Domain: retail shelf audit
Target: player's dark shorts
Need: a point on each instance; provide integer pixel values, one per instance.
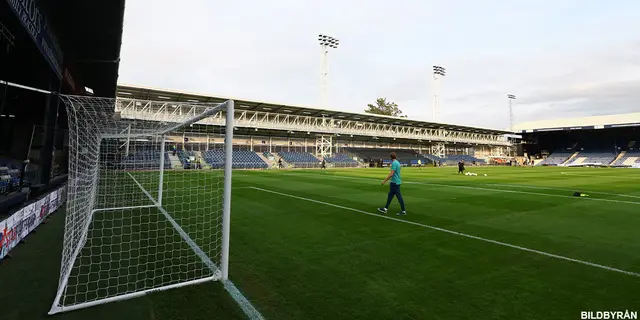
(394, 188)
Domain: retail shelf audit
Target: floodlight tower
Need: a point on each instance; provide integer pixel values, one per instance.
(511, 97)
(326, 42)
(438, 72)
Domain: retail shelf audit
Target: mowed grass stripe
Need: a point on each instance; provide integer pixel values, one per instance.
(602, 233)
(482, 187)
(319, 263)
(588, 263)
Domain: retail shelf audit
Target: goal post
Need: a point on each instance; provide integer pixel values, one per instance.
(135, 222)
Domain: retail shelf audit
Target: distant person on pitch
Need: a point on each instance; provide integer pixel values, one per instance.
(461, 166)
(394, 189)
(324, 164)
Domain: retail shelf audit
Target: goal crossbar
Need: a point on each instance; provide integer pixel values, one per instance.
(207, 113)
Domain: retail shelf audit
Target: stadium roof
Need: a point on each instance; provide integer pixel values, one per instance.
(91, 35)
(586, 123)
(148, 93)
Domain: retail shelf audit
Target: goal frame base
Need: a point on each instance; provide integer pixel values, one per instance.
(56, 308)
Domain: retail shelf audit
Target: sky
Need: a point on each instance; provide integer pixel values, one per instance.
(561, 58)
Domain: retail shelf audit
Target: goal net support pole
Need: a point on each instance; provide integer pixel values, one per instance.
(226, 204)
(161, 177)
(83, 205)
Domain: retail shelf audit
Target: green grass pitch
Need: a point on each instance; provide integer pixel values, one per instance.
(310, 245)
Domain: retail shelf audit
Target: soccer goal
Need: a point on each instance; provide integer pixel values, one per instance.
(142, 214)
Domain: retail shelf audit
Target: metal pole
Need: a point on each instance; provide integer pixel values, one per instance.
(510, 116)
(326, 42)
(511, 97)
(161, 182)
(438, 72)
(128, 140)
(33, 132)
(435, 98)
(4, 96)
(226, 205)
(324, 75)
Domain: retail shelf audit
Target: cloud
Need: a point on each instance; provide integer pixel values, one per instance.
(569, 58)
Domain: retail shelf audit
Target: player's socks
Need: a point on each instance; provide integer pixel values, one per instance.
(382, 210)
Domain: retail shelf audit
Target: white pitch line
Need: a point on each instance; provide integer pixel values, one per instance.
(561, 189)
(531, 193)
(597, 176)
(246, 306)
(244, 303)
(547, 254)
(482, 189)
(196, 249)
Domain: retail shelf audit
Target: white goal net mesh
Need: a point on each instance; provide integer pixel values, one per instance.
(143, 214)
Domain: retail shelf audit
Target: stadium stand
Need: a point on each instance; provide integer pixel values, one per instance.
(467, 158)
(9, 179)
(593, 157)
(557, 157)
(434, 159)
(342, 160)
(299, 159)
(629, 158)
(405, 156)
(240, 159)
(184, 156)
(145, 160)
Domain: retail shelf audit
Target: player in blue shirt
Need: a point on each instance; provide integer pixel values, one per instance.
(396, 181)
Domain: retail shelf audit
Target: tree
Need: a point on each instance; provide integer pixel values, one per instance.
(385, 108)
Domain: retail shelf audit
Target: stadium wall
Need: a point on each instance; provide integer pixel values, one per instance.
(19, 225)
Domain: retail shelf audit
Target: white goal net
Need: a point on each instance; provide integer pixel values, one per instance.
(142, 213)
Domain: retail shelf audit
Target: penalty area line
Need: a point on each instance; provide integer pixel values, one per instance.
(504, 244)
(250, 311)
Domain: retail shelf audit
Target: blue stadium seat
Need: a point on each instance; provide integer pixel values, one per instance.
(184, 156)
(557, 157)
(405, 156)
(628, 154)
(467, 158)
(240, 159)
(141, 159)
(433, 158)
(299, 158)
(342, 160)
(595, 156)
